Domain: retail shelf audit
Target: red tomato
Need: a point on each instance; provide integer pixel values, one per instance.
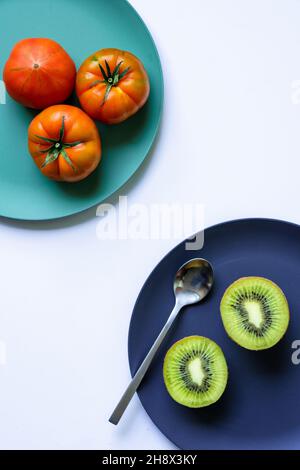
(64, 143)
(112, 85)
(39, 73)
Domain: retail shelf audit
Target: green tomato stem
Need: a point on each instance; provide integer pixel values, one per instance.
(58, 147)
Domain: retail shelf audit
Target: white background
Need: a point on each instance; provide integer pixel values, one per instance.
(229, 139)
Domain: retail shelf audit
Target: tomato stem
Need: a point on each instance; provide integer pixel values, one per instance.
(57, 147)
(111, 78)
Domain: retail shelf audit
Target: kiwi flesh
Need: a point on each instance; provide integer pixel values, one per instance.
(195, 372)
(255, 312)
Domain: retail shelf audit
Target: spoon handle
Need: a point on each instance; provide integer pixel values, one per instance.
(139, 375)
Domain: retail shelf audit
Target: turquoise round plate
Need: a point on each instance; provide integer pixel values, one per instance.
(81, 27)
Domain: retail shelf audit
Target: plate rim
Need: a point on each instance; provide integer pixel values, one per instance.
(211, 227)
(143, 160)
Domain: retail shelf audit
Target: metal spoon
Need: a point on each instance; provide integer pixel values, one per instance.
(192, 283)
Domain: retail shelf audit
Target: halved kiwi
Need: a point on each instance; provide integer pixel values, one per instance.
(195, 372)
(255, 312)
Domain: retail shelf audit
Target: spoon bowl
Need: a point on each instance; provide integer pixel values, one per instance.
(193, 281)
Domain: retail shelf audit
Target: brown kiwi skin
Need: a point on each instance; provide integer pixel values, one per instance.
(227, 369)
(274, 284)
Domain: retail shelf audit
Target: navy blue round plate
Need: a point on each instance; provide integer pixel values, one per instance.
(260, 407)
